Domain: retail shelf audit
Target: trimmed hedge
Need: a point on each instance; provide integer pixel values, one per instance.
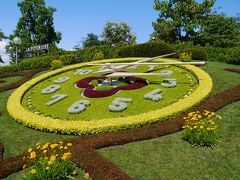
(197, 54)
(18, 112)
(150, 49)
(226, 55)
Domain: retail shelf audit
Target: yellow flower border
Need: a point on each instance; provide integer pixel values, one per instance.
(30, 119)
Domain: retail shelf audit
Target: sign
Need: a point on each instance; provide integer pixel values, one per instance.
(38, 48)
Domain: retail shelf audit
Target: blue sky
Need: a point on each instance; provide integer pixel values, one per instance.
(76, 18)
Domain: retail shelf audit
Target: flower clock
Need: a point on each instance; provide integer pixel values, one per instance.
(74, 100)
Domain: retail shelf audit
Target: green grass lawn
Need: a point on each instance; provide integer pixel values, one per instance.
(168, 157)
(10, 80)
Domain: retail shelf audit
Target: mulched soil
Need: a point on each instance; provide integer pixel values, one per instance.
(26, 76)
(84, 147)
(236, 70)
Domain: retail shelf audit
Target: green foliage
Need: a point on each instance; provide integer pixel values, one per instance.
(34, 27)
(150, 49)
(201, 128)
(179, 20)
(91, 40)
(227, 55)
(220, 31)
(118, 34)
(197, 53)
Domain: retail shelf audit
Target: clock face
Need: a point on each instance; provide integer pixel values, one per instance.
(55, 95)
(76, 95)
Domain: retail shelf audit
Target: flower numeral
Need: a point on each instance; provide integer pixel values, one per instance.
(119, 104)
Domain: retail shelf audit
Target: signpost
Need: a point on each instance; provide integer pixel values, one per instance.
(38, 48)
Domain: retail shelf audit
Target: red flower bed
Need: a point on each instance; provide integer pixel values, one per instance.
(134, 83)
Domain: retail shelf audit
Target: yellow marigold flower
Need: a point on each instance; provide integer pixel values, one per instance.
(24, 166)
(32, 155)
(190, 114)
(45, 151)
(212, 122)
(50, 162)
(201, 127)
(47, 168)
(86, 176)
(219, 117)
(199, 116)
(208, 129)
(212, 113)
(65, 147)
(60, 147)
(195, 127)
(33, 171)
(30, 150)
(69, 144)
(66, 155)
(53, 146)
(38, 147)
(52, 158)
(184, 118)
(74, 172)
(194, 118)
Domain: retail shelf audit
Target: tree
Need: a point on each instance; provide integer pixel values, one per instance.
(35, 26)
(89, 41)
(180, 20)
(220, 31)
(118, 34)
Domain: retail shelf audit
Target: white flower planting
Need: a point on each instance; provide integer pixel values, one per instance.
(169, 83)
(78, 106)
(56, 98)
(166, 73)
(83, 71)
(50, 89)
(119, 104)
(154, 95)
(151, 67)
(62, 80)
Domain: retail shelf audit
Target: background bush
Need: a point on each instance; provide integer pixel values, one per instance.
(150, 49)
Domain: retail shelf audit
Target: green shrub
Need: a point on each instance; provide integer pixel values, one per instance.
(70, 59)
(227, 55)
(201, 128)
(150, 49)
(197, 53)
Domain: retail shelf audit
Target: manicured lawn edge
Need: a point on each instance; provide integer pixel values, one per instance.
(26, 76)
(22, 115)
(91, 161)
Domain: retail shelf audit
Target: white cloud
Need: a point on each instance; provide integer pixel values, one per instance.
(3, 54)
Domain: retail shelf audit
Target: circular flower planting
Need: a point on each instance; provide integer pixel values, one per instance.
(72, 100)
